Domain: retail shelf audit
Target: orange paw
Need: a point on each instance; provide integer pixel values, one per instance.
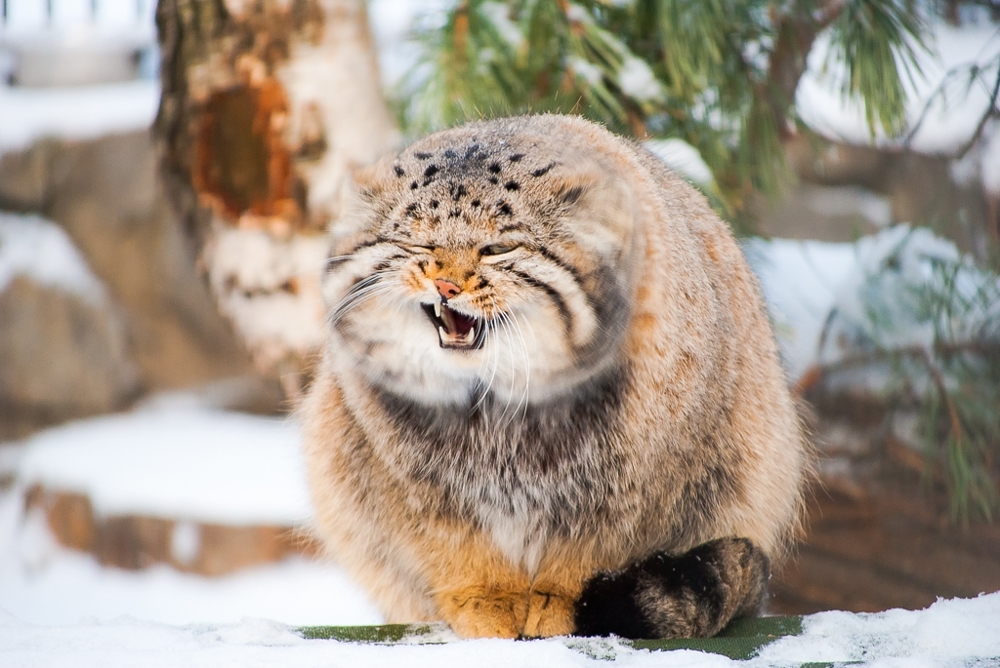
(486, 614)
(549, 614)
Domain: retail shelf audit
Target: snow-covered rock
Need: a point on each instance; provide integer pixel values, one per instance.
(65, 350)
(176, 459)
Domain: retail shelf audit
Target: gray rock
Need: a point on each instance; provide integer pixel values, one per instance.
(61, 357)
(106, 195)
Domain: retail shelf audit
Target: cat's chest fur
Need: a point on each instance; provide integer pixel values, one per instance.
(524, 472)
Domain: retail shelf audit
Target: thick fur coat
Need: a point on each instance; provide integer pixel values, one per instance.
(549, 372)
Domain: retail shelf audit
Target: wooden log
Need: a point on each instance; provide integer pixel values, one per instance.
(134, 542)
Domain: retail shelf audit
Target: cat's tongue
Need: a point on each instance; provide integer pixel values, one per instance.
(455, 323)
(455, 330)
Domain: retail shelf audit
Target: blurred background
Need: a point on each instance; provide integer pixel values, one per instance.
(166, 173)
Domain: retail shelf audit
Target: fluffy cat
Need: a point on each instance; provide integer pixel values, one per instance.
(550, 401)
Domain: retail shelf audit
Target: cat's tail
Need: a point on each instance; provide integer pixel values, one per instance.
(694, 594)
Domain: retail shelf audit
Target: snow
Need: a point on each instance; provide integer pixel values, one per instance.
(870, 287)
(951, 119)
(807, 283)
(586, 70)
(801, 281)
(577, 14)
(256, 642)
(39, 249)
(392, 23)
(35, 16)
(951, 116)
(259, 263)
(83, 112)
(947, 630)
(954, 632)
(637, 81)
(91, 111)
(72, 588)
(177, 461)
(172, 458)
(681, 157)
(499, 15)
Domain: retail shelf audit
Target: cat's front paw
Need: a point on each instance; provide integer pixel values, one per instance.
(549, 614)
(474, 613)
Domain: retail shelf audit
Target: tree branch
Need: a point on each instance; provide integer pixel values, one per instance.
(796, 34)
(953, 416)
(987, 115)
(815, 373)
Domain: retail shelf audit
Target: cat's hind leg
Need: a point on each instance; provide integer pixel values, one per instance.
(694, 594)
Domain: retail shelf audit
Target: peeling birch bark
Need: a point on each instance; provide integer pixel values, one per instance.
(267, 106)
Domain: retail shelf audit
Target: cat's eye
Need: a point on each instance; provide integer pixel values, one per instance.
(497, 249)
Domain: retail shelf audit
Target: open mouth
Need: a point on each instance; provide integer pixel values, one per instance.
(455, 330)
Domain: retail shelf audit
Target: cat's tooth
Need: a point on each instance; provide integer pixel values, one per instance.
(443, 333)
(437, 309)
(471, 336)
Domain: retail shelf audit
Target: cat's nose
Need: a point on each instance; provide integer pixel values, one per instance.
(446, 288)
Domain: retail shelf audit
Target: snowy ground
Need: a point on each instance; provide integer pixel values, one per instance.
(949, 633)
(62, 608)
(176, 460)
(77, 113)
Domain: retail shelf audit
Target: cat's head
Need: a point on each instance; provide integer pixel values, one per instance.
(489, 258)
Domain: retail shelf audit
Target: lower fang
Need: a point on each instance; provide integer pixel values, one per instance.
(443, 333)
(471, 336)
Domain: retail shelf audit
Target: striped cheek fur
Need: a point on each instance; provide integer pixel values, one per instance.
(459, 306)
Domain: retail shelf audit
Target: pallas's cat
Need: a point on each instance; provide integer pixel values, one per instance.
(550, 400)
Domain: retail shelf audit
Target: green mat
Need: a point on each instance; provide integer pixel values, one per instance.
(740, 640)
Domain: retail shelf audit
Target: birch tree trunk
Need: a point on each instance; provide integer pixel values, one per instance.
(266, 107)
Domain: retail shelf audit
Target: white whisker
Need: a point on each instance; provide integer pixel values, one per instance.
(527, 362)
(516, 324)
(508, 328)
(359, 292)
(488, 331)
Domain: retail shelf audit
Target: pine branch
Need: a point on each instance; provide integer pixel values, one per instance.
(990, 112)
(939, 92)
(876, 41)
(719, 74)
(916, 352)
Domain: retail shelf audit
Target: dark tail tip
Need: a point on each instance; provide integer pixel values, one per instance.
(608, 606)
(694, 594)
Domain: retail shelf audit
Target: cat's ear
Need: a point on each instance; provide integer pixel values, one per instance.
(363, 197)
(601, 209)
(370, 182)
(571, 186)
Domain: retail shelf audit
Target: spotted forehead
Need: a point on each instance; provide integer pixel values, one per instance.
(475, 182)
